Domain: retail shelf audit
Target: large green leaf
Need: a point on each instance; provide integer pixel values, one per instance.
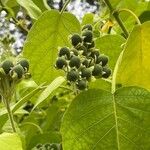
(134, 68)
(10, 141)
(98, 120)
(110, 45)
(50, 31)
(31, 8)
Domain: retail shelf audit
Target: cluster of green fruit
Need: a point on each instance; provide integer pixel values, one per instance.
(11, 73)
(48, 146)
(83, 61)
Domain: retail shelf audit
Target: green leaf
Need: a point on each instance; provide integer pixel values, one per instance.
(50, 88)
(50, 31)
(110, 45)
(98, 120)
(88, 18)
(33, 11)
(48, 137)
(40, 4)
(134, 68)
(10, 141)
(100, 84)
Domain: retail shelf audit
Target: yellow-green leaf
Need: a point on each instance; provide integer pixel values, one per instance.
(134, 67)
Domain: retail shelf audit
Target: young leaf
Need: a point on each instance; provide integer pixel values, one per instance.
(10, 141)
(33, 11)
(98, 120)
(134, 68)
(110, 45)
(41, 48)
(50, 88)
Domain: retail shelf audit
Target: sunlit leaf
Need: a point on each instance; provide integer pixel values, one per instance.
(50, 31)
(134, 68)
(98, 120)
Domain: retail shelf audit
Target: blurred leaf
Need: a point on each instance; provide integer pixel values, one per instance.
(134, 68)
(110, 45)
(50, 31)
(49, 89)
(98, 120)
(48, 137)
(33, 11)
(10, 141)
(145, 16)
(40, 4)
(100, 84)
(88, 18)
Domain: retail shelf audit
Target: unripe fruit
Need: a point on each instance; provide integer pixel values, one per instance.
(82, 84)
(64, 51)
(85, 63)
(95, 54)
(86, 73)
(107, 72)
(7, 65)
(87, 36)
(18, 69)
(75, 62)
(60, 63)
(82, 48)
(97, 71)
(91, 45)
(72, 76)
(87, 27)
(103, 59)
(25, 64)
(76, 39)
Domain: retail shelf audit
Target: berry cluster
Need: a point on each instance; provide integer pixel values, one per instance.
(83, 61)
(11, 73)
(47, 146)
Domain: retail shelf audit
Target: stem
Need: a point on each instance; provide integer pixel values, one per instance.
(132, 13)
(117, 18)
(65, 5)
(10, 115)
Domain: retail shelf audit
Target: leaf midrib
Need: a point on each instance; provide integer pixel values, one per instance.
(116, 122)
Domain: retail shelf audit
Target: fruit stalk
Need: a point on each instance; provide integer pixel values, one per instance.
(10, 115)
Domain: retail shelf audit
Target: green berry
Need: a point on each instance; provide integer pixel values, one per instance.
(86, 73)
(82, 48)
(91, 45)
(95, 54)
(87, 27)
(18, 69)
(97, 71)
(72, 76)
(7, 65)
(54, 147)
(24, 63)
(85, 63)
(76, 39)
(64, 51)
(60, 63)
(107, 72)
(103, 59)
(75, 62)
(87, 36)
(82, 84)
